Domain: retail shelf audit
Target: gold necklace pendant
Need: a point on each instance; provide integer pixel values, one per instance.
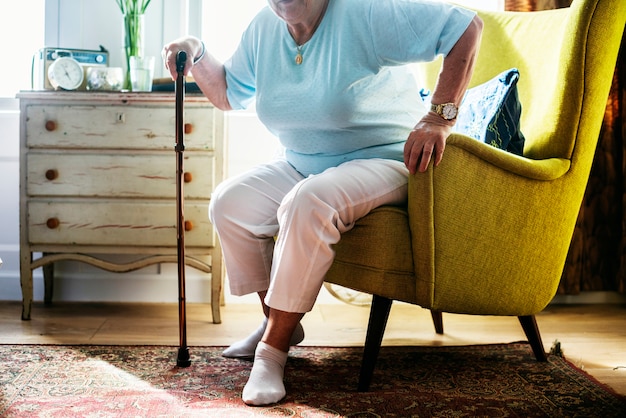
(299, 55)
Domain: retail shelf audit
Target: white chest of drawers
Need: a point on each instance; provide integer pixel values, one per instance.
(98, 177)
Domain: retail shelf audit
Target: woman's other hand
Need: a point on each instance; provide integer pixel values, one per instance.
(426, 142)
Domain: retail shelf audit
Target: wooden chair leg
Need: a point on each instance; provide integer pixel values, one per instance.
(437, 321)
(379, 313)
(529, 324)
(48, 282)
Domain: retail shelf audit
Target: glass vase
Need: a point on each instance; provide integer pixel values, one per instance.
(133, 41)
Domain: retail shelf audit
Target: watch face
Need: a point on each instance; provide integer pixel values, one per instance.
(449, 111)
(65, 73)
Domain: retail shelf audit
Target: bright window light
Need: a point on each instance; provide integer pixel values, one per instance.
(481, 4)
(223, 23)
(22, 35)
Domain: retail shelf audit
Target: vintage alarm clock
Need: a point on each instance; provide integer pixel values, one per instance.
(66, 73)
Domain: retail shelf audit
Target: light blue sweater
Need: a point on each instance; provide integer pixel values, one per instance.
(352, 97)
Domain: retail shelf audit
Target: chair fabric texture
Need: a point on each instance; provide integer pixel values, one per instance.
(487, 232)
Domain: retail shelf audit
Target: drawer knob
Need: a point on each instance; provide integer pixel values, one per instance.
(53, 223)
(188, 225)
(188, 128)
(187, 177)
(52, 174)
(51, 125)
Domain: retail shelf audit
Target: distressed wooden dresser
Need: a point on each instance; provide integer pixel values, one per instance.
(98, 177)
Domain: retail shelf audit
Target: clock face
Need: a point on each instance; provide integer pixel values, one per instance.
(65, 73)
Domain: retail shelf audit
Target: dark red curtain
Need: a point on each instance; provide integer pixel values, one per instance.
(597, 256)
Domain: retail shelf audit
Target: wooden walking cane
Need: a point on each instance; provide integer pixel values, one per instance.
(183, 351)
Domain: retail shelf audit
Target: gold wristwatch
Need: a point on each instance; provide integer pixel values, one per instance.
(448, 111)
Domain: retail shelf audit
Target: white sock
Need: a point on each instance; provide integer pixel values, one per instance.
(265, 385)
(246, 347)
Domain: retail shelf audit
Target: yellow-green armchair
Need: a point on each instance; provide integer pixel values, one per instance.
(487, 232)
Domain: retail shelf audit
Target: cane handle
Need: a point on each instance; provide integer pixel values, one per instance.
(181, 58)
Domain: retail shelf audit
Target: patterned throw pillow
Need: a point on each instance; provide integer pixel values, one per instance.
(491, 113)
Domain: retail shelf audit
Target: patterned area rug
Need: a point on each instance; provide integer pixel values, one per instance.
(470, 381)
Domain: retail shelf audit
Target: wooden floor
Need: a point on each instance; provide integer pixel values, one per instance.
(592, 336)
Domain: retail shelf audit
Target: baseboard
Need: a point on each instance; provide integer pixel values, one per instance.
(77, 282)
(589, 298)
(157, 284)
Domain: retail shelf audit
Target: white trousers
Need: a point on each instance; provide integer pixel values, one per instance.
(307, 215)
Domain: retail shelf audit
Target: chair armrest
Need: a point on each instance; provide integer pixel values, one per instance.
(547, 169)
(487, 219)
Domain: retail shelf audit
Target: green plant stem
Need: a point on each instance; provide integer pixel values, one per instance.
(133, 42)
(132, 11)
(132, 6)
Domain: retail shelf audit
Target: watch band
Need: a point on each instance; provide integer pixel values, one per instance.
(447, 111)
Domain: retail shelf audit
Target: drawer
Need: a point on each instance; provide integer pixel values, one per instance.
(117, 126)
(144, 224)
(139, 175)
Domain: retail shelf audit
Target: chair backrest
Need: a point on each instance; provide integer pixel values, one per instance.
(566, 58)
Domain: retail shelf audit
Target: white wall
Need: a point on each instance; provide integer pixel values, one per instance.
(9, 201)
(89, 24)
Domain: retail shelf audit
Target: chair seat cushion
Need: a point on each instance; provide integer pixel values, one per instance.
(382, 266)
